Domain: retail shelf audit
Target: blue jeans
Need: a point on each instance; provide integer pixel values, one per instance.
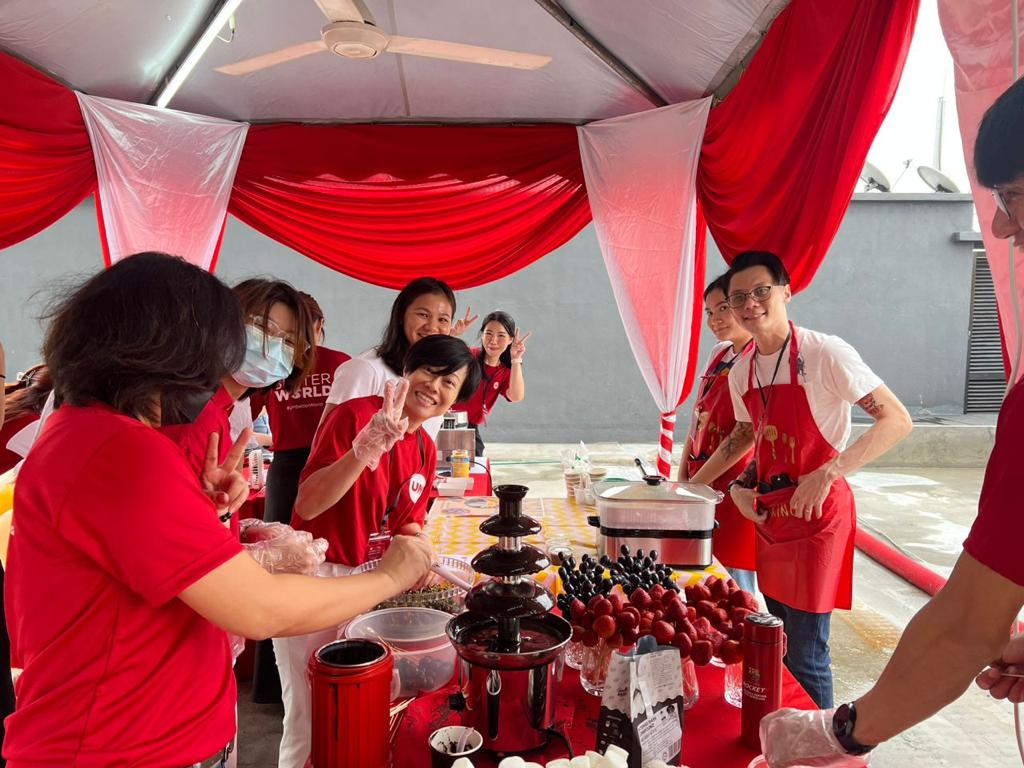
(807, 657)
(746, 580)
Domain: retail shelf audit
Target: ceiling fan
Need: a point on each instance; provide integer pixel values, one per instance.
(353, 34)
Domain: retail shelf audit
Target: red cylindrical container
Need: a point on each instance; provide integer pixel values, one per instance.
(351, 682)
(763, 649)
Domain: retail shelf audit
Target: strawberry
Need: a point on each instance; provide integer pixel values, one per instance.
(706, 608)
(726, 628)
(675, 612)
(737, 631)
(576, 608)
(751, 603)
(731, 652)
(702, 592)
(577, 633)
(645, 627)
(603, 607)
(739, 614)
(718, 616)
(587, 620)
(629, 636)
(658, 616)
(711, 580)
(691, 613)
(702, 652)
(604, 626)
(732, 585)
(719, 591)
(702, 625)
(626, 620)
(663, 632)
(690, 593)
(688, 629)
(615, 641)
(683, 642)
(589, 638)
(640, 598)
(617, 600)
(738, 598)
(657, 592)
(716, 638)
(592, 603)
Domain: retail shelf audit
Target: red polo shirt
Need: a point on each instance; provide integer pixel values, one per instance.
(997, 536)
(401, 478)
(112, 526)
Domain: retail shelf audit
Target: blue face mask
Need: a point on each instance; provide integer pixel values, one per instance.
(263, 369)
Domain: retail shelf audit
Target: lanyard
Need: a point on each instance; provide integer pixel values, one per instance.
(423, 462)
(760, 389)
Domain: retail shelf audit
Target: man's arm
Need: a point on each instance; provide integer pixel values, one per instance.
(892, 424)
(956, 634)
(732, 449)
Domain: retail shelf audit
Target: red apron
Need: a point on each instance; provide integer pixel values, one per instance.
(713, 420)
(806, 565)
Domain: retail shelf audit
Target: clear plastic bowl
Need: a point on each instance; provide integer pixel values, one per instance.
(424, 656)
(452, 600)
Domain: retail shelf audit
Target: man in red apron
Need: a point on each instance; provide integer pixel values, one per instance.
(794, 394)
(965, 627)
(713, 422)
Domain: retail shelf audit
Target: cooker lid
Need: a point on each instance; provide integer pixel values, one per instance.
(663, 492)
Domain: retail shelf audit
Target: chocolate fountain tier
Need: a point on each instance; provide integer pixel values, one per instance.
(508, 527)
(509, 599)
(498, 561)
(475, 637)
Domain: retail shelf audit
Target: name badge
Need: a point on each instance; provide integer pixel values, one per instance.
(377, 545)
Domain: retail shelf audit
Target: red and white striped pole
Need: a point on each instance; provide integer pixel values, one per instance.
(668, 426)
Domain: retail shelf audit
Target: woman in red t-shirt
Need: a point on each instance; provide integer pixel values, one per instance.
(24, 401)
(500, 359)
(353, 501)
(122, 581)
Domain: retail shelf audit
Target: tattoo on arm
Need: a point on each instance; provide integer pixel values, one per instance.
(741, 433)
(872, 407)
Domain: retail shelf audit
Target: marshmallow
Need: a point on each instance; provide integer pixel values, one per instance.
(616, 757)
(562, 762)
(463, 762)
(596, 759)
(513, 761)
(533, 765)
(581, 761)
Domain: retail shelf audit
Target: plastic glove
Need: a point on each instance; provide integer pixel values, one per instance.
(252, 530)
(797, 737)
(387, 426)
(291, 552)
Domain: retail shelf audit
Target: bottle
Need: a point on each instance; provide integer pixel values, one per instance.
(764, 645)
(256, 481)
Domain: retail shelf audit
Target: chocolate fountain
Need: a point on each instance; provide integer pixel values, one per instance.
(509, 644)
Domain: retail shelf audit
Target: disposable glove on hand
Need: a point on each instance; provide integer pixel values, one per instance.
(796, 737)
(387, 426)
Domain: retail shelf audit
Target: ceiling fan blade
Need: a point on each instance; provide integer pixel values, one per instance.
(345, 10)
(473, 54)
(272, 59)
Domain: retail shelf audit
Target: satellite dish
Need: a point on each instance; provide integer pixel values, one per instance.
(873, 178)
(937, 180)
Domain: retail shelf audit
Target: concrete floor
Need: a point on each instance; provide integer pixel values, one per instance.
(926, 512)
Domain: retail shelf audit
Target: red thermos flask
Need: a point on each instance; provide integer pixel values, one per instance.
(351, 682)
(764, 645)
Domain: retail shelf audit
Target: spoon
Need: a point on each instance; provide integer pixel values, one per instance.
(446, 573)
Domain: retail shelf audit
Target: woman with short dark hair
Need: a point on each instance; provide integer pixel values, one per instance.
(122, 581)
(368, 477)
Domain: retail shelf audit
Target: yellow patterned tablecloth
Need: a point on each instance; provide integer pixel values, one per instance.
(454, 528)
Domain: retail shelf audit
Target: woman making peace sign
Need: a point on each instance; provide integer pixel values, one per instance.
(500, 359)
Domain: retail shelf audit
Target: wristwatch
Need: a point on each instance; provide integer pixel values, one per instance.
(843, 722)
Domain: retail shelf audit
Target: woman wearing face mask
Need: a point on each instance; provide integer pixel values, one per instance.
(424, 307)
(368, 476)
(711, 423)
(500, 357)
(279, 336)
(293, 415)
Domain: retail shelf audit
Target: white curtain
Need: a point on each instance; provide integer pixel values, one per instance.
(641, 173)
(164, 177)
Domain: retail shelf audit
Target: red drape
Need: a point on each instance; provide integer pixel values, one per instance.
(46, 163)
(783, 152)
(385, 204)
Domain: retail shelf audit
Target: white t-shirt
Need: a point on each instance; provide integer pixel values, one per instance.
(241, 418)
(831, 373)
(364, 376)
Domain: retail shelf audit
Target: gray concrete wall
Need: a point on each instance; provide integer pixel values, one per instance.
(894, 285)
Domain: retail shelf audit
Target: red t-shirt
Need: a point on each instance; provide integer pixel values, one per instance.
(493, 382)
(402, 478)
(112, 526)
(194, 438)
(294, 418)
(997, 536)
(10, 428)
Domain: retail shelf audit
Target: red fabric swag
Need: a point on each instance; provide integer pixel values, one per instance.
(388, 203)
(46, 163)
(783, 152)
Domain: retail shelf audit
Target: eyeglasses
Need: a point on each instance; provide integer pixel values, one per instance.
(1000, 202)
(274, 331)
(759, 294)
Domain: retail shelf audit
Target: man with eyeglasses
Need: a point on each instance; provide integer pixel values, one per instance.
(792, 399)
(964, 628)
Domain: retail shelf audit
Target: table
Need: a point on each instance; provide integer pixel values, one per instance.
(479, 473)
(712, 727)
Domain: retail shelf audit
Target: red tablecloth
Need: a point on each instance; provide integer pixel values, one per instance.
(480, 474)
(711, 728)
